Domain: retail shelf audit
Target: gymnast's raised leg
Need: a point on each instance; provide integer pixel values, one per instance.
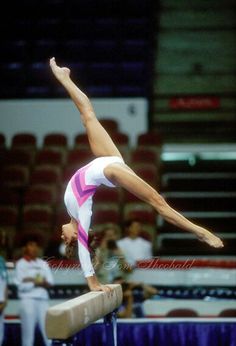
(100, 142)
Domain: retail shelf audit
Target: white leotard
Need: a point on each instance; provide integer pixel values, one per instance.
(78, 201)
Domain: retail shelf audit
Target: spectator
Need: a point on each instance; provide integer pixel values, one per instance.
(3, 296)
(134, 247)
(33, 278)
(109, 259)
(134, 294)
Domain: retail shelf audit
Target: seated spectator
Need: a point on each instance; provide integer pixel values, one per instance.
(134, 247)
(134, 294)
(109, 259)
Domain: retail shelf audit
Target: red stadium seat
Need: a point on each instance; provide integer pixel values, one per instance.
(107, 195)
(182, 313)
(49, 157)
(110, 125)
(8, 197)
(141, 155)
(45, 176)
(35, 216)
(39, 196)
(18, 157)
(106, 216)
(149, 139)
(227, 313)
(56, 141)
(15, 176)
(24, 140)
(79, 157)
(81, 141)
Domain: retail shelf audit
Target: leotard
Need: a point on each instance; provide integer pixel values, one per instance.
(78, 199)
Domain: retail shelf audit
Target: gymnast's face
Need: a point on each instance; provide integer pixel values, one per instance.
(69, 232)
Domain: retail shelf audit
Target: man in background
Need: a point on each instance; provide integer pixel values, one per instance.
(33, 278)
(133, 246)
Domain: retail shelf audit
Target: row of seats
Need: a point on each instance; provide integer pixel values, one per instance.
(34, 180)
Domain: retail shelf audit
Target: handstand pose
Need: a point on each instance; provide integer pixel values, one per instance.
(109, 169)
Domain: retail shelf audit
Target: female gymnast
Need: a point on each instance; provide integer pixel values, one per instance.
(109, 169)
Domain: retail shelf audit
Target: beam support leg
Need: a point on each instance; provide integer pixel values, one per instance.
(111, 328)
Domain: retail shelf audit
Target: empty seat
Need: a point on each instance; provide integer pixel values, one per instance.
(110, 125)
(39, 196)
(149, 139)
(45, 176)
(15, 176)
(57, 142)
(81, 140)
(24, 141)
(37, 216)
(105, 216)
(148, 174)
(18, 157)
(107, 196)
(140, 213)
(140, 155)
(227, 313)
(78, 157)
(49, 157)
(182, 313)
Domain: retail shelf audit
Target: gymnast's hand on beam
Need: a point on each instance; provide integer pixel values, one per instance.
(95, 285)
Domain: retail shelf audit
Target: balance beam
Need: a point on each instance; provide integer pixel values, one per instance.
(64, 320)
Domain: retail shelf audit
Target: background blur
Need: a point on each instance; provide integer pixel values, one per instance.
(162, 78)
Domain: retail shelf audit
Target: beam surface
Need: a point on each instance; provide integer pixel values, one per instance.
(68, 318)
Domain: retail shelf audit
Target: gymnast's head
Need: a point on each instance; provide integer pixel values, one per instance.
(69, 236)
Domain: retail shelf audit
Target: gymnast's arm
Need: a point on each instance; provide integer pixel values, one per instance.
(81, 101)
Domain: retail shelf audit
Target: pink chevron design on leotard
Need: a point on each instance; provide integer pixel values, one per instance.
(82, 191)
(83, 237)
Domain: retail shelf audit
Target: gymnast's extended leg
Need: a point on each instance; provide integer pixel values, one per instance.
(125, 177)
(100, 142)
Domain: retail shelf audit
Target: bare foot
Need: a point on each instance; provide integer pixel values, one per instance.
(209, 238)
(61, 73)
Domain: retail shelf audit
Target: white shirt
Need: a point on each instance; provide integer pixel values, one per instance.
(135, 249)
(30, 269)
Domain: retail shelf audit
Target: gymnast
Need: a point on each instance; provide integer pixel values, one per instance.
(108, 168)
